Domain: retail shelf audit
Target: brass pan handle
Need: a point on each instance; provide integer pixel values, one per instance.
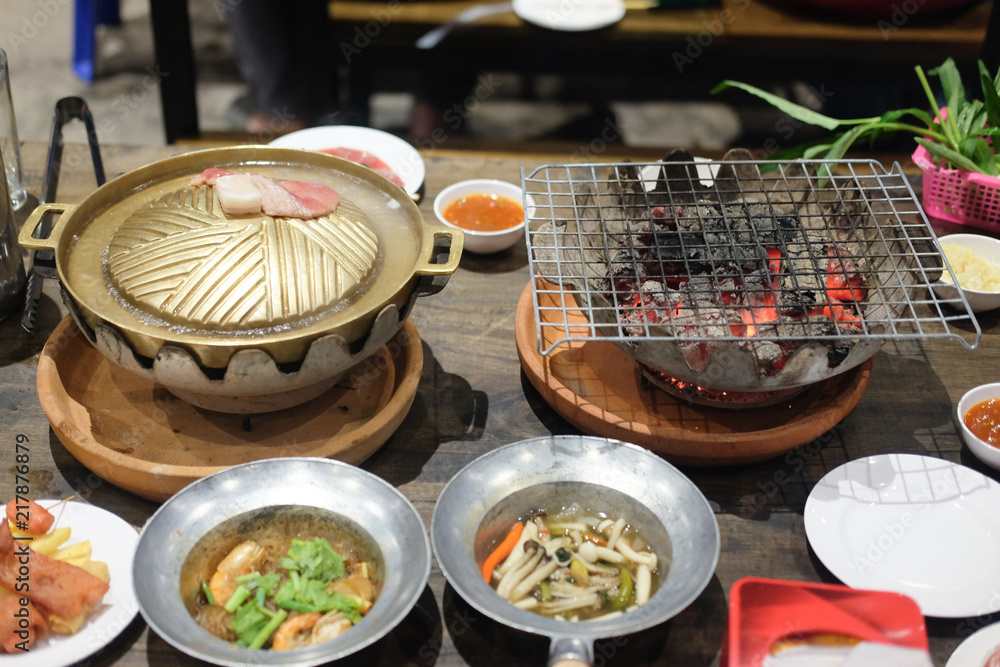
(436, 243)
(26, 237)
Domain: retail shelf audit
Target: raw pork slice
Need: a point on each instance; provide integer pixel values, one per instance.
(315, 195)
(238, 194)
(246, 194)
(210, 176)
(373, 162)
(280, 203)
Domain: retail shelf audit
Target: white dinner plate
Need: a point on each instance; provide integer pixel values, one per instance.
(401, 157)
(911, 524)
(976, 648)
(112, 541)
(570, 15)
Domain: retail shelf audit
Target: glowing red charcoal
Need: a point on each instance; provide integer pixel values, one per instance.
(843, 280)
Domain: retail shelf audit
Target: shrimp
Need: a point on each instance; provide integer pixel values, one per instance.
(295, 632)
(333, 624)
(241, 560)
(355, 586)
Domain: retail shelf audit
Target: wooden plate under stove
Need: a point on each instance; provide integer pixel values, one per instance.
(595, 386)
(140, 437)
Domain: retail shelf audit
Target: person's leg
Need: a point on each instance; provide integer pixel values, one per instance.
(283, 51)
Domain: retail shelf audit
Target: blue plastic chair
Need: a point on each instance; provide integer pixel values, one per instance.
(90, 14)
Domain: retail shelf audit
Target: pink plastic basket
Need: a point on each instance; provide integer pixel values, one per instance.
(962, 197)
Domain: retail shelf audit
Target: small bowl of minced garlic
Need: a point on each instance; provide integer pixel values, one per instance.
(975, 260)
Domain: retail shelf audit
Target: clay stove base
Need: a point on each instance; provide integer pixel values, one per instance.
(138, 436)
(596, 387)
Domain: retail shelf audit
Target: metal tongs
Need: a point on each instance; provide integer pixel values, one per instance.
(43, 262)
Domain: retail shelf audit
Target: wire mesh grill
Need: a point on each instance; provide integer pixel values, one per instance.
(764, 249)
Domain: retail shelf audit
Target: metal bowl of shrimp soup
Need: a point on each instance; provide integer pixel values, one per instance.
(371, 510)
(478, 506)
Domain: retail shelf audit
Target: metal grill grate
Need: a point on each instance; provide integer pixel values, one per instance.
(590, 224)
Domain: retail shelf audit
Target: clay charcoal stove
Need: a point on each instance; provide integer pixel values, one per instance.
(743, 280)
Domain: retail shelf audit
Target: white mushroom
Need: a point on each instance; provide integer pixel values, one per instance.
(533, 553)
(643, 584)
(546, 567)
(616, 532)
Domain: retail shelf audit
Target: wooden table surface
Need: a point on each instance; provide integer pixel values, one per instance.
(473, 398)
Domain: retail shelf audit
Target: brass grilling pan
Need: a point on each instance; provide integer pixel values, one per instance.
(150, 264)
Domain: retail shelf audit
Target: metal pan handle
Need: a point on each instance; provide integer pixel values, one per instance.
(27, 238)
(571, 652)
(434, 273)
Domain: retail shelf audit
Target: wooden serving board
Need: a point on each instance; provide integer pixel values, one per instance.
(140, 437)
(596, 386)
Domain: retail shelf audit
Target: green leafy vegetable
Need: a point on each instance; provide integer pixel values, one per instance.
(311, 566)
(957, 135)
(315, 559)
(248, 621)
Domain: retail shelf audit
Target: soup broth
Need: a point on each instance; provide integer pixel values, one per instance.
(269, 558)
(573, 563)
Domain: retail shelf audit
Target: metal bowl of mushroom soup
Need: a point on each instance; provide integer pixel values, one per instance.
(540, 482)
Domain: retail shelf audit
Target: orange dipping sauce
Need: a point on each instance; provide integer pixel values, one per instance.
(484, 213)
(983, 419)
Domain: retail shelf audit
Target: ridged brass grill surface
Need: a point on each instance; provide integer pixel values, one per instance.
(183, 260)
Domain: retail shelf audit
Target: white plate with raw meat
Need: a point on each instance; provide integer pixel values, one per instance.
(113, 541)
(383, 152)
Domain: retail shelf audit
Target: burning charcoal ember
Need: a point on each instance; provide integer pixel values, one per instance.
(702, 293)
(700, 340)
(800, 293)
(653, 305)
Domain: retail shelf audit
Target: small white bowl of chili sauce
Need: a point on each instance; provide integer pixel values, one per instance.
(490, 212)
(979, 415)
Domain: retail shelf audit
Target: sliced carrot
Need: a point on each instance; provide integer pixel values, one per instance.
(502, 551)
(599, 541)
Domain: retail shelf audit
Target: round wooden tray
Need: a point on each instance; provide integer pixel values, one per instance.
(140, 437)
(596, 387)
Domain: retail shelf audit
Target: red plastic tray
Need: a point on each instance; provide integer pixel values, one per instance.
(762, 611)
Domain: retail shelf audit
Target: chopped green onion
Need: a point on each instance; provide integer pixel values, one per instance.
(625, 590)
(208, 592)
(295, 605)
(268, 630)
(237, 598)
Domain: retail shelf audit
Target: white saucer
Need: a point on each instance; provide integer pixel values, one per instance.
(976, 648)
(916, 525)
(570, 15)
(113, 541)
